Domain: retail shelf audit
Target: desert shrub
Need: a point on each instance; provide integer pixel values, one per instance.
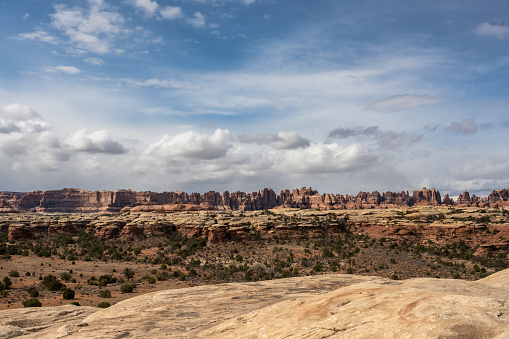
(52, 283)
(6, 284)
(93, 281)
(127, 288)
(32, 302)
(151, 280)
(68, 294)
(105, 294)
(33, 292)
(128, 273)
(75, 303)
(104, 304)
(65, 276)
(107, 279)
(14, 274)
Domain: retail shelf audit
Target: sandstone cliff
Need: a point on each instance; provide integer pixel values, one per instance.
(71, 200)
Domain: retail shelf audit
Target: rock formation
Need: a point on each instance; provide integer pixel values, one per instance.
(322, 306)
(71, 200)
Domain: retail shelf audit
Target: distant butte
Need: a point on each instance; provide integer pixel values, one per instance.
(71, 200)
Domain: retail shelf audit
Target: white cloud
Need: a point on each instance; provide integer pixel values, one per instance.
(247, 2)
(40, 36)
(198, 20)
(495, 30)
(18, 112)
(171, 83)
(92, 30)
(171, 12)
(94, 61)
(387, 140)
(148, 6)
(465, 126)
(191, 145)
(95, 142)
(326, 158)
(405, 101)
(481, 167)
(282, 140)
(65, 69)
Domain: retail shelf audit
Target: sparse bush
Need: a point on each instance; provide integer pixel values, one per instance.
(104, 304)
(105, 294)
(68, 294)
(14, 274)
(52, 283)
(33, 292)
(128, 273)
(127, 288)
(32, 302)
(65, 276)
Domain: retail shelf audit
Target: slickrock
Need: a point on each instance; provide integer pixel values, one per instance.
(325, 306)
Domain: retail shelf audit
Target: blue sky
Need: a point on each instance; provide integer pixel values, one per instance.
(199, 95)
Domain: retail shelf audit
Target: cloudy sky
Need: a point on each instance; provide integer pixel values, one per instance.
(199, 95)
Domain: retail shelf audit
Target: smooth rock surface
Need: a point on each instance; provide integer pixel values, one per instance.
(325, 306)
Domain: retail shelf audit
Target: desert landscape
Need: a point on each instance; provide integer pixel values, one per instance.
(89, 257)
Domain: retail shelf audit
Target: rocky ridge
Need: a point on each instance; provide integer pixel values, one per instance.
(486, 227)
(331, 306)
(71, 200)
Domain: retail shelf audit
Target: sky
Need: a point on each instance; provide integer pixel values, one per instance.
(198, 95)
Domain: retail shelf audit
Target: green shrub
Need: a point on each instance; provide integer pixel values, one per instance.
(75, 303)
(14, 274)
(6, 284)
(105, 294)
(32, 302)
(104, 304)
(128, 273)
(52, 283)
(68, 294)
(33, 292)
(127, 288)
(65, 276)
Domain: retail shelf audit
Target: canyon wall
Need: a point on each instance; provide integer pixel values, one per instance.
(71, 200)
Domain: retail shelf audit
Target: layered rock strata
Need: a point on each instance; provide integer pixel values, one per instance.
(72, 200)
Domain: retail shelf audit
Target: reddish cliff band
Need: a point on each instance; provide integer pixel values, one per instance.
(71, 200)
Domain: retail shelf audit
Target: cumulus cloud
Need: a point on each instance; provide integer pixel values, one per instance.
(494, 29)
(148, 6)
(171, 12)
(65, 69)
(18, 112)
(25, 135)
(465, 126)
(404, 101)
(326, 158)
(92, 30)
(192, 145)
(95, 142)
(198, 20)
(387, 140)
(281, 140)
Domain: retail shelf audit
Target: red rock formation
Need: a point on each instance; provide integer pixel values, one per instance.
(75, 200)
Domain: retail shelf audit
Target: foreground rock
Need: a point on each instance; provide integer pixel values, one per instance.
(328, 306)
